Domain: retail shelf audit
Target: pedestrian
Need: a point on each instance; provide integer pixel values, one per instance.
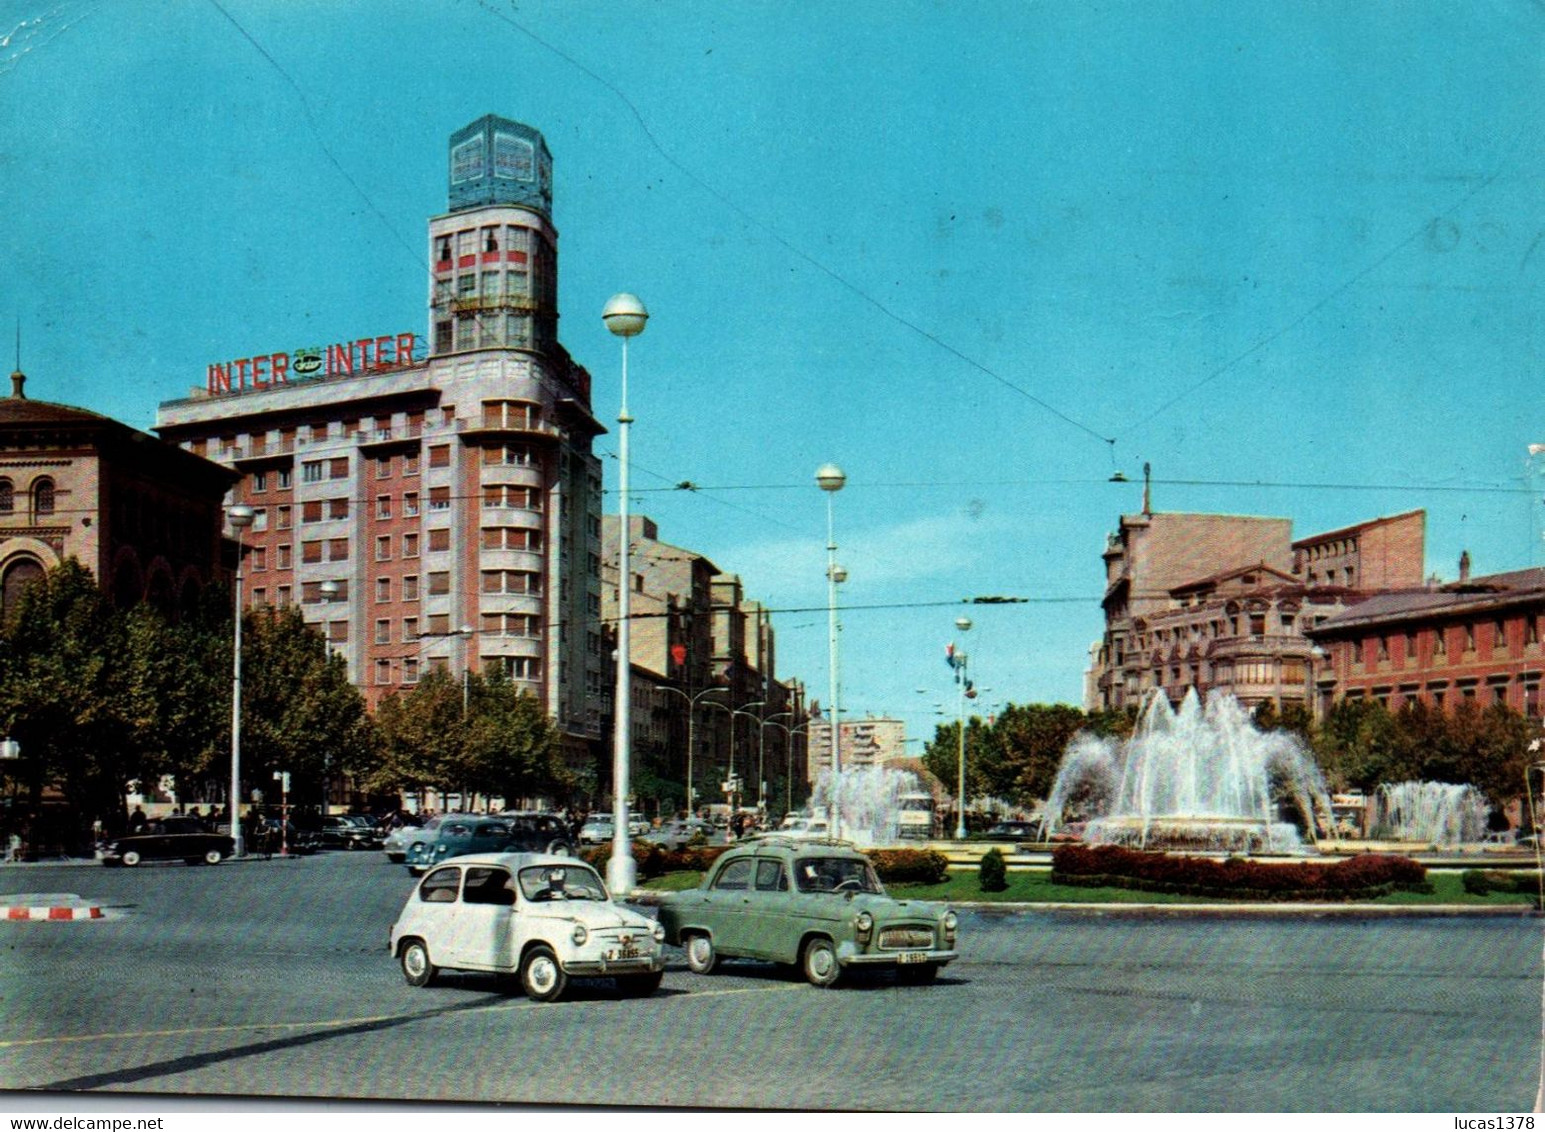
(137, 820)
(13, 847)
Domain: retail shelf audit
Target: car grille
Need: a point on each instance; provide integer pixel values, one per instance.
(904, 939)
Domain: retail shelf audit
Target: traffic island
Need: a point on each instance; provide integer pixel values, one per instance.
(48, 906)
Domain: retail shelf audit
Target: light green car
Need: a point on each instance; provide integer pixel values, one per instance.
(814, 904)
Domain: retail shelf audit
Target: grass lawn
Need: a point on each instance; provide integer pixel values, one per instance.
(1034, 886)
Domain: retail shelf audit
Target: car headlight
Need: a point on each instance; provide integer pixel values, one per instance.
(579, 935)
(950, 921)
(863, 924)
(658, 931)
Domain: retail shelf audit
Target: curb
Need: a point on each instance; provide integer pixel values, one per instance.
(48, 906)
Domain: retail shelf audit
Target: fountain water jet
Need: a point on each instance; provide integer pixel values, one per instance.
(1192, 778)
(1438, 813)
(868, 801)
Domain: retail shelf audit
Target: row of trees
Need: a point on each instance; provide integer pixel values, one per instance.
(99, 698)
(1360, 744)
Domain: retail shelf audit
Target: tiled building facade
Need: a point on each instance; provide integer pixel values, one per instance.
(440, 506)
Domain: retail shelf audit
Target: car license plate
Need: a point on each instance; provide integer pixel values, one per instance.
(623, 953)
(912, 957)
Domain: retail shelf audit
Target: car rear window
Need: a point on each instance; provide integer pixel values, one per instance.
(440, 886)
(488, 885)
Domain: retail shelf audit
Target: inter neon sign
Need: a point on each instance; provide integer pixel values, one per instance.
(341, 359)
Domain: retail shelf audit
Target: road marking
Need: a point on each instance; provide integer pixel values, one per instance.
(335, 1023)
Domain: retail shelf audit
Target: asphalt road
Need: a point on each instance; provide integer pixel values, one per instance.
(272, 979)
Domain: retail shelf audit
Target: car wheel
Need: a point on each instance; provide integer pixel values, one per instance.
(916, 974)
(131, 858)
(416, 966)
(701, 956)
(540, 976)
(639, 986)
(213, 857)
(819, 963)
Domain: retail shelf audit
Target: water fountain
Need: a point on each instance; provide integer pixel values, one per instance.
(1193, 778)
(1436, 813)
(868, 801)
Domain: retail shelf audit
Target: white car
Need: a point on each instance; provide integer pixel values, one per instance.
(546, 919)
(397, 842)
(596, 830)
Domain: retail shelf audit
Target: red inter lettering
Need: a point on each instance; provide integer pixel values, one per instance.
(280, 364)
(241, 365)
(260, 372)
(218, 379)
(404, 349)
(381, 344)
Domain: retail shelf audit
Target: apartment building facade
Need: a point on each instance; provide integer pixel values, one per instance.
(434, 503)
(1221, 603)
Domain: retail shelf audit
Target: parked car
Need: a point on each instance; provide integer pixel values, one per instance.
(272, 835)
(678, 834)
(817, 904)
(597, 830)
(1016, 829)
(167, 839)
(542, 918)
(455, 836)
(349, 831)
(398, 840)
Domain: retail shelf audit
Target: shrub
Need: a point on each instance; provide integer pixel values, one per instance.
(910, 866)
(1358, 878)
(655, 860)
(992, 874)
(1475, 882)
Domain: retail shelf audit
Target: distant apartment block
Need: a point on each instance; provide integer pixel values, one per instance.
(867, 742)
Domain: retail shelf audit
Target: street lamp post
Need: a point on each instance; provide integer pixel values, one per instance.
(625, 317)
(691, 729)
(239, 517)
(831, 479)
(744, 710)
(964, 625)
(788, 757)
(761, 760)
(465, 633)
(330, 591)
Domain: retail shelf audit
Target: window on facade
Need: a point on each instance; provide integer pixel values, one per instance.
(466, 332)
(410, 464)
(310, 593)
(410, 670)
(439, 582)
(383, 631)
(440, 626)
(1531, 630)
(259, 482)
(383, 507)
(383, 467)
(1440, 642)
(439, 499)
(43, 497)
(383, 671)
(311, 471)
(513, 455)
(1470, 639)
(410, 587)
(337, 550)
(311, 511)
(337, 508)
(439, 455)
(383, 589)
(311, 550)
(284, 478)
(1383, 647)
(338, 468)
(283, 600)
(410, 629)
(259, 597)
(439, 538)
(284, 517)
(383, 548)
(410, 504)
(443, 336)
(522, 667)
(283, 559)
(260, 518)
(7, 497)
(257, 557)
(1257, 624)
(1499, 635)
(410, 545)
(1410, 645)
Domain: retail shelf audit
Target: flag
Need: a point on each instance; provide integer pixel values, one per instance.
(949, 655)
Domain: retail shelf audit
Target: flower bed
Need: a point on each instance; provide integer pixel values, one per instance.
(910, 866)
(1355, 878)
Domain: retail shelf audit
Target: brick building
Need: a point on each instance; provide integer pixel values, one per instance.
(1221, 602)
(1475, 639)
(436, 507)
(142, 515)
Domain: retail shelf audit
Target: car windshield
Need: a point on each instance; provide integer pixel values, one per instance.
(835, 874)
(561, 882)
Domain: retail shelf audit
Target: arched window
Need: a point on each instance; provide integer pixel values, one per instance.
(7, 497)
(43, 497)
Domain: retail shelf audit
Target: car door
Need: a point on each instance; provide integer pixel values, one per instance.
(479, 935)
(771, 928)
(727, 906)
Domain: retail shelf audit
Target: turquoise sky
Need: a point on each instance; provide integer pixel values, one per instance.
(981, 255)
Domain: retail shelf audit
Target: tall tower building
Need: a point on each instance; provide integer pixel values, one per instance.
(440, 505)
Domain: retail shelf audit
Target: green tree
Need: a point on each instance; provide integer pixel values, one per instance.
(299, 712)
(513, 747)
